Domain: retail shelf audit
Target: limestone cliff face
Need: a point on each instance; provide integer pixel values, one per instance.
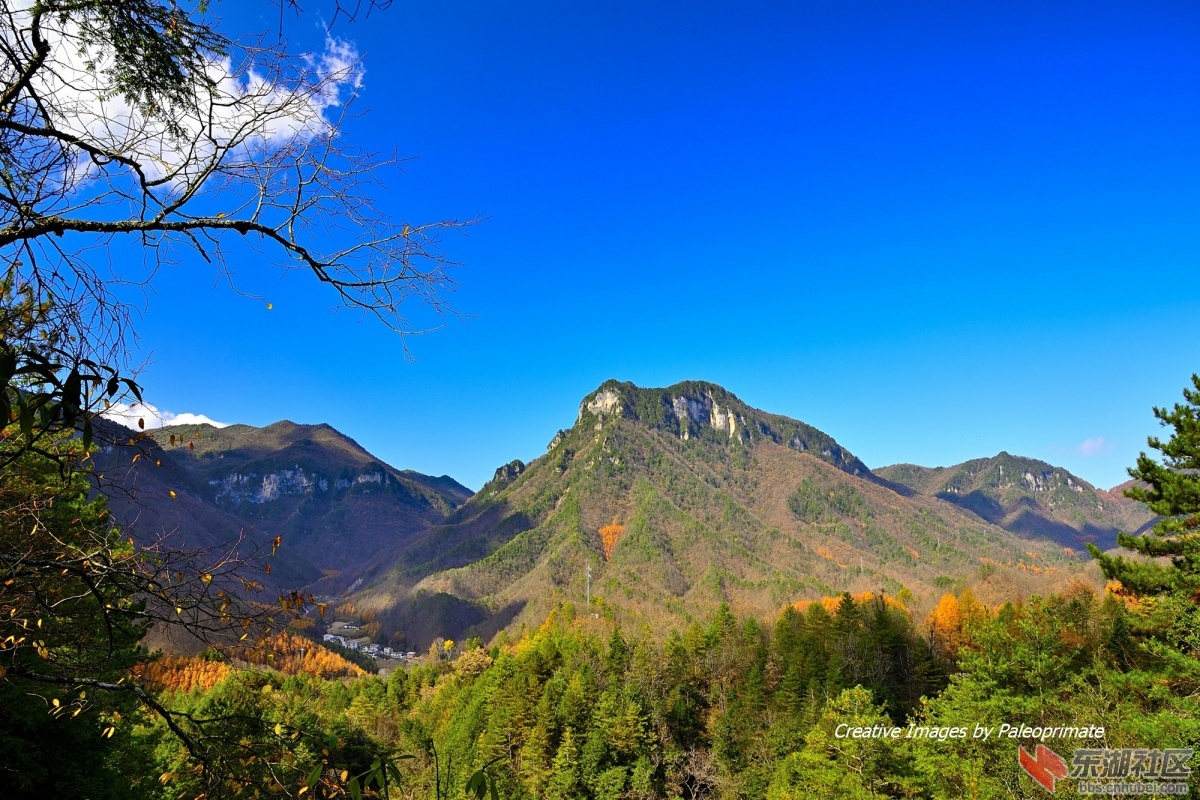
(697, 405)
(248, 487)
(704, 410)
(691, 408)
(605, 401)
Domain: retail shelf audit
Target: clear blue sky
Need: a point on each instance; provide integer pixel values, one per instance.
(933, 230)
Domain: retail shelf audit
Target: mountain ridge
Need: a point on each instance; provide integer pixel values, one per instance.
(705, 500)
(325, 494)
(715, 502)
(1033, 497)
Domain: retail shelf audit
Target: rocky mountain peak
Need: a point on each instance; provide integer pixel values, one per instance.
(683, 407)
(699, 410)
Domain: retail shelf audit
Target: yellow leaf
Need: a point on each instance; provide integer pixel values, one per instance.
(270, 306)
(345, 775)
(206, 577)
(55, 703)
(172, 493)
(165, 777)
(278, 729)
(178, 610)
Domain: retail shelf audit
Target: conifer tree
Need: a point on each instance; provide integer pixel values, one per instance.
(1172, 490)
(1171, 581)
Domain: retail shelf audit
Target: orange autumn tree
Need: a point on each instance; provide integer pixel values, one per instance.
(946, 627)
(952, 622)
(609, 536)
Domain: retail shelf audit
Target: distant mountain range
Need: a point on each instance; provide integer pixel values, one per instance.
(1029, 497)
(674, 499)
(333, 503)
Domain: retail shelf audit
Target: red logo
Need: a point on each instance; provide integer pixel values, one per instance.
(1045, 768)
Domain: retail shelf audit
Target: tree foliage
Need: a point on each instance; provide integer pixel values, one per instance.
(139, 122)
(1165, 573)
(69, 631)
(609, 536)
(1171, 488)
(136, 127)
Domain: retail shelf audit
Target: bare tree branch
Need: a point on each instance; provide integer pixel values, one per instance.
(133, 119)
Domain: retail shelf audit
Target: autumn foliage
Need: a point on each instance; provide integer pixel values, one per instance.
(952, 621)
(183, 674)
(609, 536)
(291, 655)
(831, 603)
(285, 652)
(946, 627)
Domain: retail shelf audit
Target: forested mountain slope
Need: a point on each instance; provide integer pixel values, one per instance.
(677, 500)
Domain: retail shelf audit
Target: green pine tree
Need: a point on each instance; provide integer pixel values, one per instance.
(1168, 574)
(1173, 491)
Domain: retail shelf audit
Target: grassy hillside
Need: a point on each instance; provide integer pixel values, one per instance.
(704, 500)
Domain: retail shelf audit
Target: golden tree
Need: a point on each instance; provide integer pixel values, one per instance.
(946, 627)
(609, 536)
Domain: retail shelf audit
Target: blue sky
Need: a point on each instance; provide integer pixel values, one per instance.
(935, 231)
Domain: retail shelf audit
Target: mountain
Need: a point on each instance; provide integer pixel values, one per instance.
(677, 500)
(332, 502)
(1029, 497)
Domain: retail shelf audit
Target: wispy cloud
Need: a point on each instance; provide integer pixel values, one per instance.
(155, 417)
(1096, 446)
(252, 112)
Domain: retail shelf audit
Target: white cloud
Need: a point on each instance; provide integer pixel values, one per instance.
(1096, 446)
(255, 111)
(155, 417)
